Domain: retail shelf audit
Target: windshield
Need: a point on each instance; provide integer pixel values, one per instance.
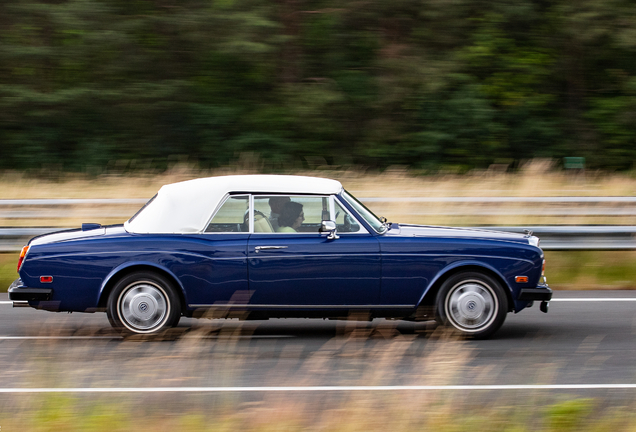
(364, 212)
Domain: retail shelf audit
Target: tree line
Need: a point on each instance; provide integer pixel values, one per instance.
(428, 84)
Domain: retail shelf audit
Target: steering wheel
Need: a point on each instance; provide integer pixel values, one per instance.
(347, 224)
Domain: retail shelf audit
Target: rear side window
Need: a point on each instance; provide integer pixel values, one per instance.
(232, 216)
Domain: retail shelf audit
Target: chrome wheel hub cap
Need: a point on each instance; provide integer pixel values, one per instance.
(471, 306)
(143, 306)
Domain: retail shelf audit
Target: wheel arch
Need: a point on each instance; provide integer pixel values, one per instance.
(117, 274)
(429, 297)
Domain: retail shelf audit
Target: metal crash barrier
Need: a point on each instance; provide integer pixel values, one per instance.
(553, 237)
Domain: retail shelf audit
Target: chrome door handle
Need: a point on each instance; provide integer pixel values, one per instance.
(260, 248)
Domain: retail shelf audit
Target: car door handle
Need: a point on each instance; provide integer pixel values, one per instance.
(260, 248)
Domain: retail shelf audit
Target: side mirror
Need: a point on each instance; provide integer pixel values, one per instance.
(330, 227)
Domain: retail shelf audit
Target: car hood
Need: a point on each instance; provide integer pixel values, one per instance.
(75, 234)
(406, 230)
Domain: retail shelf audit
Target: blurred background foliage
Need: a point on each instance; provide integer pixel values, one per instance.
(430, 84)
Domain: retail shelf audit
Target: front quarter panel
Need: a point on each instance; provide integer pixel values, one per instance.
(412, 266)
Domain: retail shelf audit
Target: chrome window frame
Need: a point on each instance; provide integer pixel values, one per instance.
(362, 230)
(380, 232)
(251, 210)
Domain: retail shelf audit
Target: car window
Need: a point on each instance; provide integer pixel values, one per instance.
(289, 214)
(345, 222)
(231, 216)
(364, 212)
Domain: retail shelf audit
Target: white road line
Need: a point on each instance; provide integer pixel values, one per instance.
(592, 299)
(316, 388)
(6, 302)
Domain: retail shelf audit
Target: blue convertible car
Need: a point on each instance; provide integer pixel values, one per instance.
(262, 246)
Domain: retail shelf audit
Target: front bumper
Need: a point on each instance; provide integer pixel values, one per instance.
(19, 292)
(540, 293)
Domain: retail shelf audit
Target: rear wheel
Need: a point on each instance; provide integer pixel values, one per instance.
(143, 303)
(472, 303)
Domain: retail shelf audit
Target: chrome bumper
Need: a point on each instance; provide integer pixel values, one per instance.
(19, 292)
(540, 293)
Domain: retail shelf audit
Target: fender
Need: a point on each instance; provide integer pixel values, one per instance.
(126, 265)
(463, 263)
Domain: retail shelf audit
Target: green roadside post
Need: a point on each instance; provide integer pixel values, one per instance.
(576, 163)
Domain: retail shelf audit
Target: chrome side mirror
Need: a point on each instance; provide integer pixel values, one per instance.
(330, 227)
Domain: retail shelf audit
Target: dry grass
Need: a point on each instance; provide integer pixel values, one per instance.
(213, 354)
(535, 180)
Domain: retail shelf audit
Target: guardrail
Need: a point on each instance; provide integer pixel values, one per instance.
(607, 237)
(618, 206)
(552, 237)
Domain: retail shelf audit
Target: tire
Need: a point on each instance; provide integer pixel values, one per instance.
(473, 304)
(143, 303)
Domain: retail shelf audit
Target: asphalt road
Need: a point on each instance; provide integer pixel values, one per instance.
(588, 337)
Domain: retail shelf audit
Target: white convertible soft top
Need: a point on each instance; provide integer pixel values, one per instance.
(186, 207)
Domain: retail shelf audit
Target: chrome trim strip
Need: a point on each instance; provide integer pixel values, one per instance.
(386, 255)
(250, 210)
(43, 257)
(260, 248)
(325, 255)
(273, 306)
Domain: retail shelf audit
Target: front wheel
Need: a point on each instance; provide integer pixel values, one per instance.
(143, 303)
(472, 303)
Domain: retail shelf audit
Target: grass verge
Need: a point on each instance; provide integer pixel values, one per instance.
(364, 414)
(8, 273)
(583, 270)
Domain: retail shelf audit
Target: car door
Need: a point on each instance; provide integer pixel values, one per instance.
(215, 270)
(296, 266)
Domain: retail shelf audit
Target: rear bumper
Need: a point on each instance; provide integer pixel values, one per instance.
(540, 293)
(19, 292)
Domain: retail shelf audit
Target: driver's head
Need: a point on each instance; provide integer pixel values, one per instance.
(277, 203)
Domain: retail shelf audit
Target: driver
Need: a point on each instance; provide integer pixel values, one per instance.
(276, 204)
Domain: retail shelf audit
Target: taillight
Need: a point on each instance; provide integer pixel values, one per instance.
(22, 255)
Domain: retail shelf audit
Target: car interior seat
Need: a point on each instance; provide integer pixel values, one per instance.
(262, 223)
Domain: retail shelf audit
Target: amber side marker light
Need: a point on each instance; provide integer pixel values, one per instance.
(22, 255)
(521, 279)
(543, 268)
